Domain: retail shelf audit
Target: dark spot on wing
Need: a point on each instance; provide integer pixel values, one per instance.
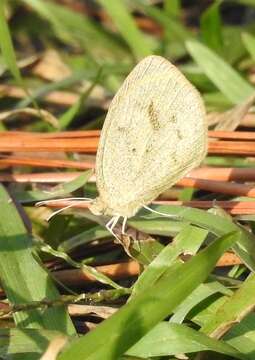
(133, 150)
(173, 119)
(179, 134)
(153, 117)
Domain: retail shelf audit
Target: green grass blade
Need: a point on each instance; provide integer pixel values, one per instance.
(211, 27)
(66, 119)
(23, 278)
(143, 312)
(173, 28)
(73, 27)
(203, 292)
(87, 236)
(58, 191)
(168, 339)
(218, 225)
(24, 341)
(242, 336)
(165, 339)
(249, 43)
(126, 25)
(172, 7)
(233, 310)
(7, 46)
(182, 243)
(231, 84)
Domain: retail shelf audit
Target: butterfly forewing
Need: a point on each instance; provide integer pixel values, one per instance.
(154, 133)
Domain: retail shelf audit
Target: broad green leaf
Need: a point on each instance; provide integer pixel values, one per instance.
(126, 25)
(23, 278)
(141, 314)
(167, 339)
(228, 81)
(249, 43)
(233, 310)
(211, 27)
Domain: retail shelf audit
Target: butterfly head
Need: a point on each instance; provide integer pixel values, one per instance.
(98, 207)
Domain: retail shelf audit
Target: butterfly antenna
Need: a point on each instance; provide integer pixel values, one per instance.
(46, 202)
(58, 212)
(159, 213)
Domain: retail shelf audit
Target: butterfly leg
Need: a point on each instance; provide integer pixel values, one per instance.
(124, 223)
(110, 226)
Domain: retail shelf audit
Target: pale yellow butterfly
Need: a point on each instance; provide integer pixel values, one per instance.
(155, 132)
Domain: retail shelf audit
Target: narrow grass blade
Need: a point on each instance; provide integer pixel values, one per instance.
(7, 47)
(231, 84)
(173, 27)
(168, 339)
(143, 312)
(23, 278)
(90, 270)
(172, 7)
(196, 297)
(119, 13)
(249, 43)
(211, 27)
(72, 27)
(58, 191)
(87, 236)
(233, 310)
(66, 119)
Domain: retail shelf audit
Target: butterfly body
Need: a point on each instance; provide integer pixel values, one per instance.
(155, 132)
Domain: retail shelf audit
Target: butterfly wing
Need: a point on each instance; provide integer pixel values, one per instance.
(154, 133)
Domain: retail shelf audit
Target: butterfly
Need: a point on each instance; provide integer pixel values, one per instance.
(154, 133)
